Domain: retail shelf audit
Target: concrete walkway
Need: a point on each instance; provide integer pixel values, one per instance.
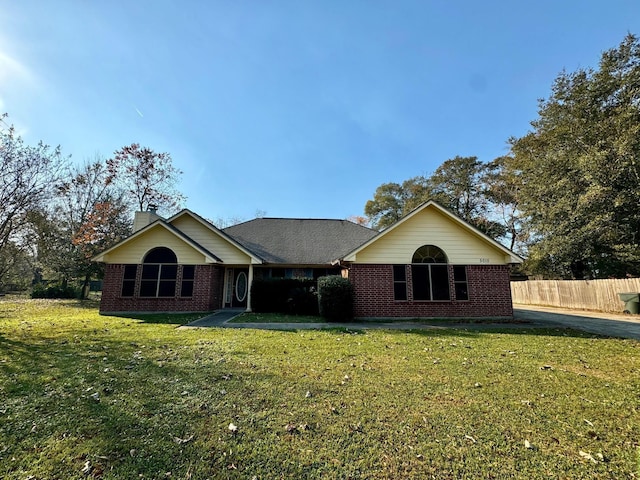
(525, 316)
(216, 319)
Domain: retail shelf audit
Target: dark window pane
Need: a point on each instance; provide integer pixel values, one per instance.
(462, 292)
(188, 272)
(150, 272)
(277, 273)
(421, 284)
(130, 272)
(169, 272)
(440, 282)
(186, 289)
(148, 288)
(160, 255)
(460, 273)
(128, 288)
(399, 273)
(167, 289)
(400, 291)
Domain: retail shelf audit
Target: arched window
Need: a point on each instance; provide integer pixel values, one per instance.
(430, 274)
(159, 273)
(160, 255)
(429, 254)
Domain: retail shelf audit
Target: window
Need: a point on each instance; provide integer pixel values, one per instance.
(399, 282)
(430, 282)
(188, 275)
(430, 274)
(159, 273)
(129, 280)
(460, 282)
(429, 254)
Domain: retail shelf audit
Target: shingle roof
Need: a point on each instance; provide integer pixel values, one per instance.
(300, 241)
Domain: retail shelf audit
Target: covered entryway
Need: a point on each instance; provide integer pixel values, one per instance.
(236, 287)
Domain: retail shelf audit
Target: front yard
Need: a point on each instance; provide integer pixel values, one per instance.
(85, 396)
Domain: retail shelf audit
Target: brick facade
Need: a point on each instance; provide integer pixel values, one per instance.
(488, 287)
(207, 292)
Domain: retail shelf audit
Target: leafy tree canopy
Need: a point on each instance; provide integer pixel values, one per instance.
(459, 184)
(578, 172)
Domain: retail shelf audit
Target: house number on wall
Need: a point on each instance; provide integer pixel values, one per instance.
(484, 260)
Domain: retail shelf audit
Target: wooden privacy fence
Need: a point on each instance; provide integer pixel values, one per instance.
(599, 295)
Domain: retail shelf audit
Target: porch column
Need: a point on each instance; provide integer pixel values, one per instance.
(250, 282)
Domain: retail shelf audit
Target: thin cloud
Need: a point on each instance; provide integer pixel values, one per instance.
(11, 69)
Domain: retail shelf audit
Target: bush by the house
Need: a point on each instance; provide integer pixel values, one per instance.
(335, 298)
(284, 295)
(53, 291)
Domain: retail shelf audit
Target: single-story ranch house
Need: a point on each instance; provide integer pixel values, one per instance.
(428, 264)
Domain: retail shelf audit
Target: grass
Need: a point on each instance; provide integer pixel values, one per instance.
(284, 318)
(85, 396)
(275, 318)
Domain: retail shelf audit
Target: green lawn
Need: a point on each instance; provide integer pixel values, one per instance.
(85, 396)
(276, 318)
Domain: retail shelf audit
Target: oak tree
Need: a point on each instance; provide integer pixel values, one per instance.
(579, 172)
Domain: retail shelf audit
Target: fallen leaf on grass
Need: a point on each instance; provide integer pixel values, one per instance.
(180, 441)
(588, 456)
(291, 428)
(87, 468)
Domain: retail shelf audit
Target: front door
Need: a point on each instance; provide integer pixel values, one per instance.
(236, 288)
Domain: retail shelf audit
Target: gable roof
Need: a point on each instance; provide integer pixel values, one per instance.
(160, 223)
(300, 241)
(186, 212)
(514, 258)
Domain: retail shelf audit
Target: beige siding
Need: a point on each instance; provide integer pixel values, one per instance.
(213, 242)
(135, 250)
(430, 227)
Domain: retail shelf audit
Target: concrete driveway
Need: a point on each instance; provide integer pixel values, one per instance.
(611, 324)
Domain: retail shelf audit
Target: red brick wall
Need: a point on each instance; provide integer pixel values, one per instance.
(207, 293)
(489, 294)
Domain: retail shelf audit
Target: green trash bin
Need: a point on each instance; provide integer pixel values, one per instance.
(631, 302)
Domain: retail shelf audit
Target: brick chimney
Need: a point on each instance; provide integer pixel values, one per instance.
(142, 219)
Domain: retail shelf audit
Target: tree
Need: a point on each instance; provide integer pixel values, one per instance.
(578, 170)
(392, 201)
(501, 189)
(106, 224)
(149, 178)
(85, 216)
(458, 185)
(27, 175)
(92, 215)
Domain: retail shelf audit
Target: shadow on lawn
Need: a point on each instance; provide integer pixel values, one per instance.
(162, 318)
(109, 398)
(455, 330)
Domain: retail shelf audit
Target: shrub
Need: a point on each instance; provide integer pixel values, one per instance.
(335, 298)
(284, 295)
(54, 291)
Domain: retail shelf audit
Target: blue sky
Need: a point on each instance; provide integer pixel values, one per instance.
(293, 108)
